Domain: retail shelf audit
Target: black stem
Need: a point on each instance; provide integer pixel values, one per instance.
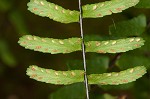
(83, 52)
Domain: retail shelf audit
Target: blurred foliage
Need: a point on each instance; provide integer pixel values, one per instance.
(6, 54)
(74, 91)
(143, 4)
(100, 62)
(136, 26)
(5, 5)
(16, 20)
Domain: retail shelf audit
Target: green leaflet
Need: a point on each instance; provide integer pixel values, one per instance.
(114, 46)
(55, 77)
(53, 11)
(107, 8)
(58, 13)
(50, 45)
(55, 46)
(74, 76)
(115, 78)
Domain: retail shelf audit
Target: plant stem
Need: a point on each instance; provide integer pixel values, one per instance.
(83, 51)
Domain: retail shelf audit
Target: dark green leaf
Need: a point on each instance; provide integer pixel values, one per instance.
(133, 27)
(96, 64)
(143, 4)
(74, 91)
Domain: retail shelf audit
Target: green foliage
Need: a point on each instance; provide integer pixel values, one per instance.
(128, 60)
(118, 87)
(54, 46)
(74, 76)
(6, 54)
(104, 96)
(74, 91)
(58, 13)
(143, 4)
(133, 27)
(107, 8)
(116, 78)
(50, 45)
(146, 46)
(55, 77)
(142, 92)
(114, 46)
(18, 21)
(97, 65)
(53, 11)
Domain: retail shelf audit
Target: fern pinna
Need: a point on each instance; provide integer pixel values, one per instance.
(54, 46)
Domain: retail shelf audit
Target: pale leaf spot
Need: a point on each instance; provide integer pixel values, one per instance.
(106, 43)
(56, 73)
(34, 38)
(116, 74)
(42, 70)
(53, 41)
(61, 42)
(131, 40)
(42, 3)
(29, 38)
(131, 71)
(114, 42)
(72, 73)
(138, 39)
(94, 7)
(102, 5)
(71, 12)
(49, 15)
(64, 74)
(109, 74)
(56, 7)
